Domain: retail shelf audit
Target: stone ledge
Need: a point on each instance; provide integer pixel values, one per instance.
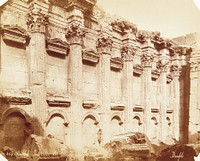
(58, 101)
(170, 111)
(137, 69)
(154, 110)
(116, 63)
(57, 46)
(169, 78)
(138, 108)
(89, 104)
(155, 74)
(90, 56)
(117, 107)
(14, 34)
(17, 100)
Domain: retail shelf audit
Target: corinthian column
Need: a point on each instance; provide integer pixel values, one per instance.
(162, 67)
(147, 59)
(37, 22)
(104, 47)
(127, 55)
(74, 36)
(175, 70)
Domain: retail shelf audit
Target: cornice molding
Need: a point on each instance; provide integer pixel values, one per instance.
(116, 63)
(14, 34)
(90, 55)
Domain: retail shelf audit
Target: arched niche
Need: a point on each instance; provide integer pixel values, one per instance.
(116, 124)
(137, 124)
(154, 128)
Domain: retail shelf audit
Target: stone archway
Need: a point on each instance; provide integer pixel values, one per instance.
(116, 125)
(57, 128)
(137, 124)
(14, 128)
(90, 131)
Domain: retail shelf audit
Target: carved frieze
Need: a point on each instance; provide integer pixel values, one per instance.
(104, 44)
(194, 65)
(90, 55)
(123, 26)
(14, 34)
(137, 69)
(138, 108)
(17, 100)
(116, 63)
(89, 104)
(57, 46)
(58, 101)
(37, 21)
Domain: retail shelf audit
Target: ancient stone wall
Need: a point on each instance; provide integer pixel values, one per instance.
(83, 77)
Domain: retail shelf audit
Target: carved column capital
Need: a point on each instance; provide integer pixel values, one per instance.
(37, 21)
(74, 34)
(194, 65)
(104, 44)
(175, 70)
(147, 59)
(162, 65)
(127, 52)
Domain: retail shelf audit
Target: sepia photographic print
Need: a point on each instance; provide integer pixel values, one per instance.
(99, 80)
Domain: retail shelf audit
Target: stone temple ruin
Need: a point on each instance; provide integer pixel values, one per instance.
(70, 72)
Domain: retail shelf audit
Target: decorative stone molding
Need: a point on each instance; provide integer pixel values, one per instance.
(138, 108)
(175, 70)
(57, 46)
(116, 63)
(182, 50)
(161, 43)
(90, 56)
(194, 65)
(143, 35)
(104, 44)
(147, 59)
(89, 104)
(154, 110)
(137, 69)
(15, 100)
(162, 65)
(58, 101)
(37, 21)
(155, 74)
(14, 34)
(123, 26)
(117, 107)
(83, 5)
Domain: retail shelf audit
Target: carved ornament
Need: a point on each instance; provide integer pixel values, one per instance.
(127, 52)
(147, 59)
(169, 78)
(182, 50)
(90, 56)
(104, 44)
(37, 21)
(137, 69)
(143, 35)
(194, 65)
(57, 46)
(162, 65)
(123, 26)
(14, 34)
(175, 70)
(116, 63)
(163, 44)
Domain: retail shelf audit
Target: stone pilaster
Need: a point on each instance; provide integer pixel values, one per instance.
(147, 59)
(175, 70)
(127, 55)
(37, 22)
(162, 67)
(74, 35)
(104, 47)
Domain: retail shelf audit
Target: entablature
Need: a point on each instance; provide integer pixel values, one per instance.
(14, 34)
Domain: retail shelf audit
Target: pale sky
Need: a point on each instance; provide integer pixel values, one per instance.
(172, 18)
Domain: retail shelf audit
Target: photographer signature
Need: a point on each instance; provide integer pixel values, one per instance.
(178, 157)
